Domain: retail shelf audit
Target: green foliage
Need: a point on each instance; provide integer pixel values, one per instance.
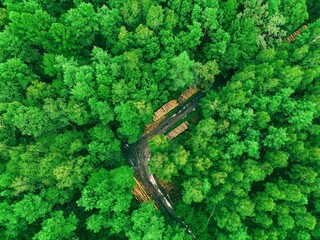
(3, 18)
(195, 190)
(109, 22)
(15, 77)
(58, 227)
(109, 193)
(295, 13)
(181, 72)
(29, 120)
(104, 146)
(163, 164)
(148, 224)
(80, 79)
(260, 122)
(31, 27)
(16, 217)
(206, 73)
(154, 18)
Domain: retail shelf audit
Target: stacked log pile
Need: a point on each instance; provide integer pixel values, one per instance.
(165, 109)
(175, 132)
(149, 127)
(187, 94)
(294, 35)
(140, 193)
(167, 186)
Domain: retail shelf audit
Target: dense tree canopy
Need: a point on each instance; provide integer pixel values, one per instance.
(79, 79)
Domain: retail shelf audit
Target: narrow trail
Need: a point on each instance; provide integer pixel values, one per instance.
(138, 156)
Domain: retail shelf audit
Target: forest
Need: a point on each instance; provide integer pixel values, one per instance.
(80, 78)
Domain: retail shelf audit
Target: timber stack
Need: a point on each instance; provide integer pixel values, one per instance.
(294, 35)
(187, 94)
(165, 109)
(175, 132)
(140, 193)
